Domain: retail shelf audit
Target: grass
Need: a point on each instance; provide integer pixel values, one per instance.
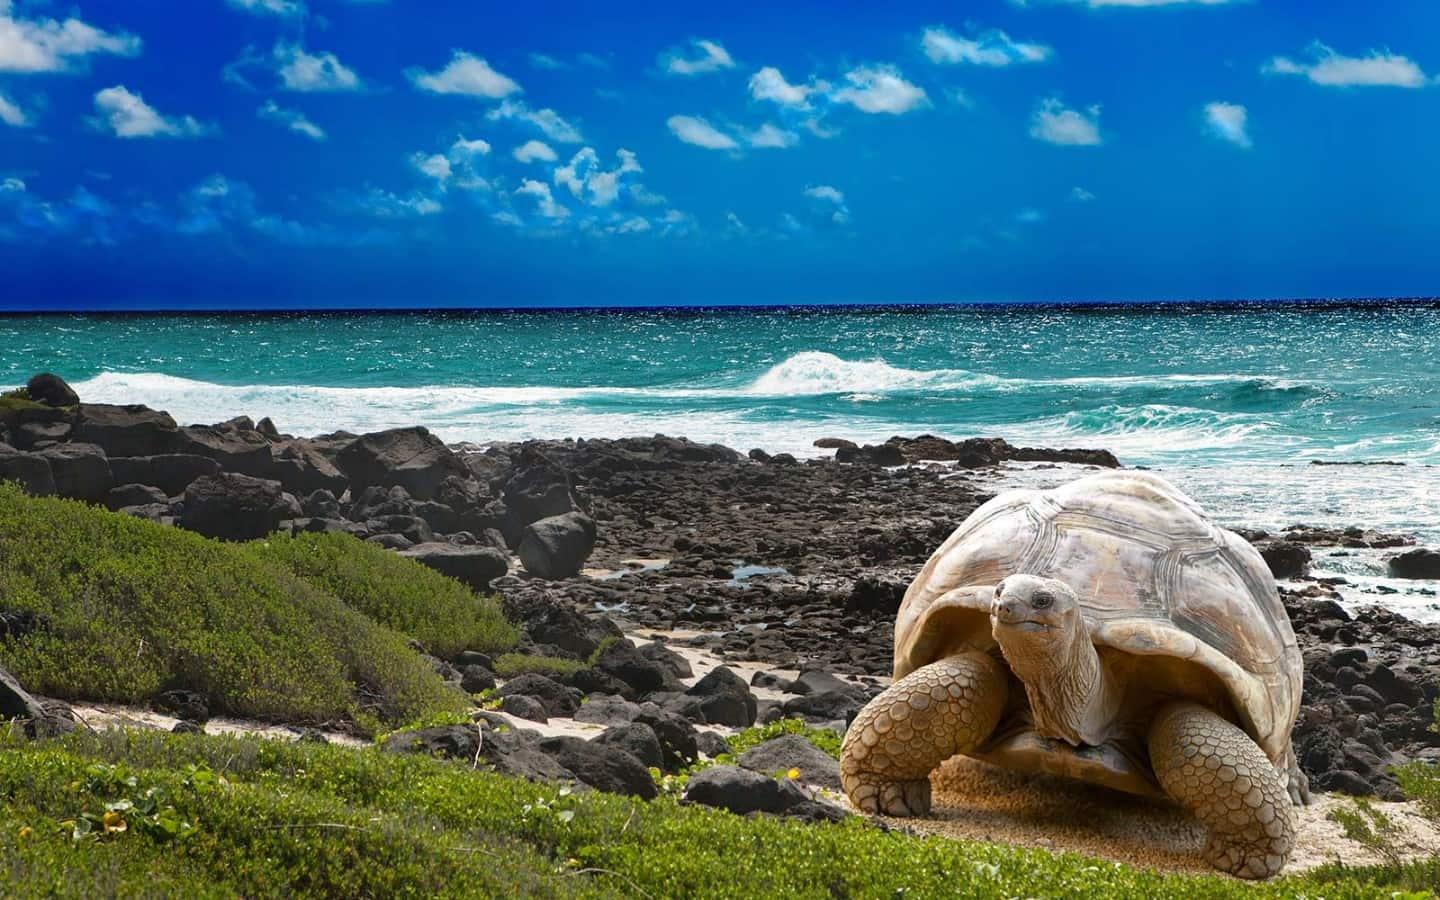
(264, 818)
(130, 608)
(440, 612)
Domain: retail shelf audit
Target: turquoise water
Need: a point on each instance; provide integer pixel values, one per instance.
(1157, 386)
(1231, 402)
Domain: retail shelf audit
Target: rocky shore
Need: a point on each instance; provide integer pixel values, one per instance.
(794, 565)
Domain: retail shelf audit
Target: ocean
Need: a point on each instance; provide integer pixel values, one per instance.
(1234, 402)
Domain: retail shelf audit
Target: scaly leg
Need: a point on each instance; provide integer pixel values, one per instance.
(1214, 769)
(935, 712)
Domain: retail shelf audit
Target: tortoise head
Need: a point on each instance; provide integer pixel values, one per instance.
(1039, 608)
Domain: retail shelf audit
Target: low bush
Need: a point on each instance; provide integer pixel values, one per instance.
(510, 665)
(128, 608)
(444, 615)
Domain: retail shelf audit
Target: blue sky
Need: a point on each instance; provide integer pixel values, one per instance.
(238, 153)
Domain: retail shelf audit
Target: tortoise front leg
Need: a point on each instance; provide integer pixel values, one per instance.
(1213, 768)
(935, 712)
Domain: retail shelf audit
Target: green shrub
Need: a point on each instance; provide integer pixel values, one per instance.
(130, 608)
(440, 612)
(823, 738)
(511, 664)
(272, 819)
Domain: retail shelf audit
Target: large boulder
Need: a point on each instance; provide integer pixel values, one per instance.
(15, 701)
(559, 701)
(474, 566)
(124, 495)
(126, 430)
(1418, 563)
(234, 507)
(558, 546)
(725, 698)
(791, 751)
(679, 740)
(537, 489)
(170, 472)
(410, 457)
(603, 767)
(51, 390)
(31, 470)
(303, 469)
(81, 471)
(743, 791)
(636, 739)
(1286, 559)
(33, 434)
(236, 450)
(623, 660)
(561, 626)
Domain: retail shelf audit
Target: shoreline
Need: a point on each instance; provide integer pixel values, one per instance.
(796, 565)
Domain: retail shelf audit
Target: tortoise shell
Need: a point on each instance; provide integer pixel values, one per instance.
(1154, 577)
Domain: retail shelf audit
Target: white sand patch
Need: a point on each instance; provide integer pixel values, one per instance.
(101, 716)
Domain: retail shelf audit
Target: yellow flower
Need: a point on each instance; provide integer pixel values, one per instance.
(112, 821)
(793, 774)
(26, 831)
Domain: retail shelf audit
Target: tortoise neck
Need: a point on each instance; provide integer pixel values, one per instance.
(1073, 697)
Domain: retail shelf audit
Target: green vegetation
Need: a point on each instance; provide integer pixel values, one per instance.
(1366, 825)
(273, 819)
(823, 738)
(511, 664)
(130, 608)
(14, 401)
(440, 612)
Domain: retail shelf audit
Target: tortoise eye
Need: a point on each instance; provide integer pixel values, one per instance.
(1041, 601)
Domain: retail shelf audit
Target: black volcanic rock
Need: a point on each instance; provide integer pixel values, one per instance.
(51, 390)
(1421, 562)
(170, 472)
(233, 507)
(412, 458)
(132, 430)
(557, 547)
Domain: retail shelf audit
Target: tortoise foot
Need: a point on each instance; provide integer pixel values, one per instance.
(879, 796)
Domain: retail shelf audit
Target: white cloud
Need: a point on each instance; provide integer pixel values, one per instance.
(1227, 121)
(11, 114)
(530, 151)
(1030, 216)
(300, 70)
(770, 84)
(47, 45)
(697, 131)
(11, 186)
(546, 61)
(830, 203)
(993, 48)
(467, 149)
(127, 115)
(291, 119)
(1081, 195)
(385, 205)
(588, 181)
(544, 200)
(633, 225)
(1375, 69)
(709, 57)
(881, 89)
(285, 9)
(767, 136)
(547, 120)
(1055, 123)
(436, 166)
(468, 75)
